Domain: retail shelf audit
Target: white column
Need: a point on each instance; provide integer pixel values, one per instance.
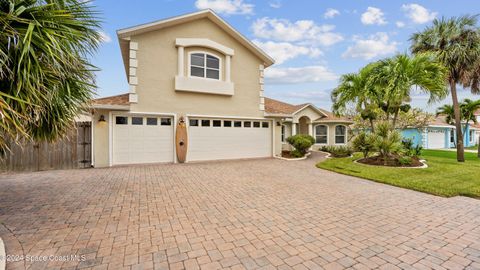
(227, 68)
(181, 61)
(310, 130)
(294, 129)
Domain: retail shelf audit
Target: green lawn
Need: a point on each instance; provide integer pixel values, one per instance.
(472, 148)
(444, 175)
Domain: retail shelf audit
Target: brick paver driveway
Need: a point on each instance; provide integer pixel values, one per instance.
(234, 214)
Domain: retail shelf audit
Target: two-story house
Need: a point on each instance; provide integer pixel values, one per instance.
(198, 67)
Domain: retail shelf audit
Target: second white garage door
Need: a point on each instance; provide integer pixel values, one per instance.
(213, 139)
(142, 139)
(436, 139)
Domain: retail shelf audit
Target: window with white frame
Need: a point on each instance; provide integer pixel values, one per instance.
(204, 65)
(452, 136)
(340, 134)
(321, 134)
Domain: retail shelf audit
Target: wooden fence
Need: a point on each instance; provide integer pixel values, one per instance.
(71, 152)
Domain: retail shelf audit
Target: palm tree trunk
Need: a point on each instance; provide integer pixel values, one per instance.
(372, 125)
(458, 123)
(478, 154)
(395, 116)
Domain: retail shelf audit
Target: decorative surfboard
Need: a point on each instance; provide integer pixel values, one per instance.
(181, 140)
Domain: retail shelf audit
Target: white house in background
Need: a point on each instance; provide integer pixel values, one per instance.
(198, 67)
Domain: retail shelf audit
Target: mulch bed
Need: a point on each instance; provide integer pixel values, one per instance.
(287, 154)
(392, 162)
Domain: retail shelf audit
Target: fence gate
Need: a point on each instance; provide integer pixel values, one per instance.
(71, 152)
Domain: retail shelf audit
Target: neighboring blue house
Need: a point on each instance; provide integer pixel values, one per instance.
(439, 135)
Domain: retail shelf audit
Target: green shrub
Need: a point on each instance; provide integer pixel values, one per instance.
(295, 153)
(406, 160)
(338, 150)
(410, 150)
(364, 143)
(388, 141)
(301, 143)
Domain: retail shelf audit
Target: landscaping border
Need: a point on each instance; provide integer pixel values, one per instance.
(292, 159)
(424, 162)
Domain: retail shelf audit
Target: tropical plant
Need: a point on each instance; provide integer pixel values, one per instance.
(456, 44)
(410, 149)
(301, 143)
(398, 75)
(45, 75)
(447, 111)
(338, 150)
(468, 109)
(388, 141)
(364, 143)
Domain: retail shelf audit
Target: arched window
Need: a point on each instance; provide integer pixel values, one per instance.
(204, 65)
(321, 134)
(340, 134)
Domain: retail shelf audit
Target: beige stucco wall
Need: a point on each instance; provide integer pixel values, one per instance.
(100, 139)
(157, 67)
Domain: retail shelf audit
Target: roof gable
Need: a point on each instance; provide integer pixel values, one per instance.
(126, 33)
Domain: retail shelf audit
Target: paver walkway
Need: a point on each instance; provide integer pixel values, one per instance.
(235, 214)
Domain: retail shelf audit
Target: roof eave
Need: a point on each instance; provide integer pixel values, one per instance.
(111, 107)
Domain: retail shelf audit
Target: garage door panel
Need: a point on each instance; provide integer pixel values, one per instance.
(210, 143)
(436, 139)
(142, 143)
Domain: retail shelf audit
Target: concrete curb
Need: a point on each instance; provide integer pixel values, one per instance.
(3, 256)
(289, 159)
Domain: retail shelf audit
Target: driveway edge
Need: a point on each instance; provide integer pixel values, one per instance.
(3, 256)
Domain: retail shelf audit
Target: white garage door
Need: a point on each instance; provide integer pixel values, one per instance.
(211, 139)
(436, 139)
(142, 139)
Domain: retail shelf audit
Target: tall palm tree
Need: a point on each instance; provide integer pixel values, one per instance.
(456, 43)
(447, 111)
(469, 108)
(397, 76)
(45, 76)
(355, 90)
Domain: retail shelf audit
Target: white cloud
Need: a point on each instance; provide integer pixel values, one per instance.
(374, 46)
(303, 31)
(283, 51)
(294, 75)
(331, 13)
(400, 24)
(226, 6)
(104, 37)
(373, 15)
(418, 14)
(275, 4)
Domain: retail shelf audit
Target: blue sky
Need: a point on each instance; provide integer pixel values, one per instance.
(313, 42)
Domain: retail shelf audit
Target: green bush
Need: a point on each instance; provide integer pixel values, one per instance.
(338, 150)
(388, 141)
(301, 143)
(406, 160)
(364, 143)
(410, 150)
(295, 153)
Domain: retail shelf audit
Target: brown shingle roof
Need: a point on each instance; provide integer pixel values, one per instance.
(440, 120)
(113, 100)
(279, 107)
(274, 106)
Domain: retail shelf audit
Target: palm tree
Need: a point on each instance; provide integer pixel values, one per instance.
(355, 90)
(448, 112)
(398, 75)
(468, 108)
(45, 76)
(456, 43)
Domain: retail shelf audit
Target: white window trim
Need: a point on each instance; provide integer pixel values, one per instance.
(220, 65)
(472, 135)
(315, 134)
(283, 132)
(335, 135)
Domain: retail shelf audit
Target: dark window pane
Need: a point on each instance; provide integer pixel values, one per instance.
(256, 124)
(227, 123)
(121, 120)
(264, 124)
(339, 130)
(197, 60)
(205, 123)
(339, 139)
(166, 121)
(247, 124)
(213, 62)
(137, 121)
(152, 121)
(193, 123)
(197, 72)
(321, 139)
(217, 123)
(237, 123)
(213, 74)
(321, 130)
